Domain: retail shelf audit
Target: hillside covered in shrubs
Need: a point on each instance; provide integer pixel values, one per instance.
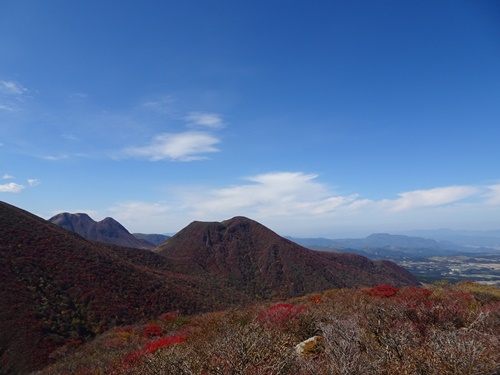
(440, 329)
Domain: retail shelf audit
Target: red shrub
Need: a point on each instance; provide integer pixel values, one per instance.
(152, 330)
(383, 290)
(164, 342)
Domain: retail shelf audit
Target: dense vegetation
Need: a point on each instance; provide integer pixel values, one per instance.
(440, 329)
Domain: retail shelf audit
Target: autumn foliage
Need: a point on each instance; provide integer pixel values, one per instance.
(440, 329)
(384, 290)
(152, 330)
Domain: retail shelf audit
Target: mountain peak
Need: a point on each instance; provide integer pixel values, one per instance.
(107, 230)
(252, 257)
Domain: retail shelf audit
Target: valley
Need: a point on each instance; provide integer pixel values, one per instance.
(480, 268)
(428, 259)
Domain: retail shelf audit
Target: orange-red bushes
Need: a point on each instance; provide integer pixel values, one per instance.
(164, 342)
(316, 299)
(384, 290)
(152, 330)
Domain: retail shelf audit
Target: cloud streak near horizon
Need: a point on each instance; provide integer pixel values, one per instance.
(284, 197)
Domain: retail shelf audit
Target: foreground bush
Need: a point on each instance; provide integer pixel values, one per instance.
(383, 330)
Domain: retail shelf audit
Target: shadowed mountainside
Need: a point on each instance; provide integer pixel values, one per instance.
(107, 230)
(256, 260)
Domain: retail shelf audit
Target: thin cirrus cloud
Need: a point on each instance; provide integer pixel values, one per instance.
(271, 194)
(12, 88)
(162, 105)
(289, 194)
(430, 198)
(492, 196)
(11, 95)
(209, 120)
(186, 146)
(181, 146)
(33, 182)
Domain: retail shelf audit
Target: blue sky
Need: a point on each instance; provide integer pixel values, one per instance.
(322, 118)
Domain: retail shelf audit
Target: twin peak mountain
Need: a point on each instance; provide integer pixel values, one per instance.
(253, 258)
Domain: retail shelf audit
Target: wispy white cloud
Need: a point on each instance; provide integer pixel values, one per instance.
(11, 187)
(79, 95)
(55, 157)
(12, 88)
(430, 198)
(33, 182)
(210, 120)
(7, 107)
(271, 194)
(7, 177)
(163, 105)
(11, 95)
(298, 203)
(492, 196)
(186, 146)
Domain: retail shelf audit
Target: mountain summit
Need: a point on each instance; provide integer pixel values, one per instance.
(107, 230)
(255, 259)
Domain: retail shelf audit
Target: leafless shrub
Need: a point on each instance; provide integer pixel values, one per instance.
(234, 344)
(461, 351)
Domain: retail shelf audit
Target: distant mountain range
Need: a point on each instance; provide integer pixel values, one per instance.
(471, 239)
(383, 244)
(107, 230)
(57, 287)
